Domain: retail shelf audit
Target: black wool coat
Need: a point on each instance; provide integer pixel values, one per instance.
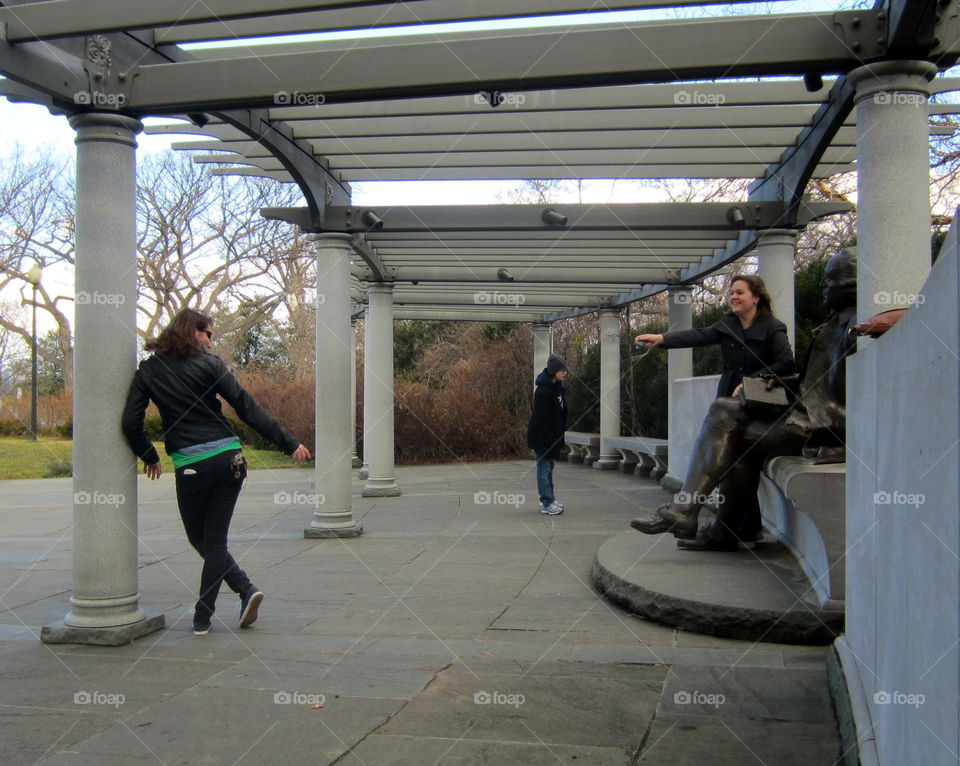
(762, 348)
(548, 421)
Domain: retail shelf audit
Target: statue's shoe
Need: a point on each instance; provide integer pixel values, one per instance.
(666, 519)
(704, 543)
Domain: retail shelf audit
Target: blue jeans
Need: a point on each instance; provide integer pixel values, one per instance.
(545, 479)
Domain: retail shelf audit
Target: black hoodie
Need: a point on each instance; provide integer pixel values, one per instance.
(548, 422)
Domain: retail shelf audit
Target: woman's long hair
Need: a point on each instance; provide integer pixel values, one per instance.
(759, 289)
(179, 337)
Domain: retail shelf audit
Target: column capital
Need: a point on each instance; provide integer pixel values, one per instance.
(608, 312)
(785, 235)
(540, 325)
(106, 126)
(381, 288)
(879, 79)
(332, 239)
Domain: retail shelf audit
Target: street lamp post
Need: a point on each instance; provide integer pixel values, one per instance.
(33, 277)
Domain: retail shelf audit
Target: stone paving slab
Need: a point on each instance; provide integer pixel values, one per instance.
(441, 599)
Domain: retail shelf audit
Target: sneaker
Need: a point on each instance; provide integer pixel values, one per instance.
(249, 606)
(201, 628)
(554, 509)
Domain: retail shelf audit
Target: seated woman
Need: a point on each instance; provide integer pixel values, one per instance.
(734, 442)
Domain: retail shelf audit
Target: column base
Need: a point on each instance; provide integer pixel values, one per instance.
(363, 473)
(607, 463)
(388, 490)
(325, 533)
(61, 633)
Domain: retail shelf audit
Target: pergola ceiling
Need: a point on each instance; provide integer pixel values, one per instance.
(623, 101)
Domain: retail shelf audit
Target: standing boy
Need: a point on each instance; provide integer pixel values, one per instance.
(545, 433)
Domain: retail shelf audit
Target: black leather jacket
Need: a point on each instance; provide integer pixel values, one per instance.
(760, 349)
(185, 391)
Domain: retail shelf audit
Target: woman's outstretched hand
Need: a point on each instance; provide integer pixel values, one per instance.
(301, 454)
(650, 339)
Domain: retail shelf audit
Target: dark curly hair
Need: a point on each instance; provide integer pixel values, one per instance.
(759, 289)
(179, 337)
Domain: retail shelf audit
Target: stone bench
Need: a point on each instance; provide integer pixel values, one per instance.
(640, 455)
(584, 447)
(804, 505)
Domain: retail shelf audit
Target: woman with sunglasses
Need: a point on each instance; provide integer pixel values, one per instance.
(183, 378)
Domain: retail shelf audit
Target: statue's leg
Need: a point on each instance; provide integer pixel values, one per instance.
(715, 452)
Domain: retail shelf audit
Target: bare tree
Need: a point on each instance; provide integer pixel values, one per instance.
(36, 228)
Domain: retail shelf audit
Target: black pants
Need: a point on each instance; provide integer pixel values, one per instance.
(207, 492)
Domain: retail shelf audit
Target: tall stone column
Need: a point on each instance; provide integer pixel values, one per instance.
(776, 249)
(333, 509)
(364, 471)
(679, 360)
(542, 346)
(378, 382)
(609, 387)
(105, 606)
(354, 458)
(893, 183)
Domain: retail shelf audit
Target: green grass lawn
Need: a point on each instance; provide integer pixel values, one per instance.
(25, 459)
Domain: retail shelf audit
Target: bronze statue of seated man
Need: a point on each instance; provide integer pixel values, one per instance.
(735, 441)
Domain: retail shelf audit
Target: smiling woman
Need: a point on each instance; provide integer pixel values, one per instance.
(753, 342)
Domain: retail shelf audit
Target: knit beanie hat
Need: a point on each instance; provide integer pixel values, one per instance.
(555, 364)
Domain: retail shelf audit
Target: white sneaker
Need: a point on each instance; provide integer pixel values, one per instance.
(554, 509)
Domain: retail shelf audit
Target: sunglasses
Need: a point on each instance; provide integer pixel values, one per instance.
(209, 334)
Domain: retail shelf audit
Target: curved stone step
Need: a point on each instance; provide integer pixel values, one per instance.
(759, 595)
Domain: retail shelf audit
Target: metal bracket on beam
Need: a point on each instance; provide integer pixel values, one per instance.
(379, 272)
(864, 32)
(110, 84)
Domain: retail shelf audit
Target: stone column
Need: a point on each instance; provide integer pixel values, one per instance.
(364, 471)
(609, 387)
(333, 510)
(105, 606)
(542, 346)
(378, 382)
(354, 458)
(776, 249)
(893, 183)
(679, 317)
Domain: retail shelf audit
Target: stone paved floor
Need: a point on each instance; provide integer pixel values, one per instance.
(454, 631)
